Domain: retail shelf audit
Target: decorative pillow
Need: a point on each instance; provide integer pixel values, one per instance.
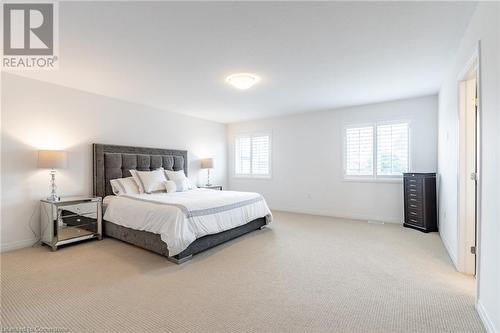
(190, 184)
(149, 181)
(174, 175)
(170, 186)
(179, 177)
(181, 184)
(124, 186)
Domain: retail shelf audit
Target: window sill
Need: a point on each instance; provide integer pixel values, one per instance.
(395, 180)
(252, 177)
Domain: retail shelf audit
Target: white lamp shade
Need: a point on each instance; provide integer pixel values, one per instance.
(207, 163)
(52, 159)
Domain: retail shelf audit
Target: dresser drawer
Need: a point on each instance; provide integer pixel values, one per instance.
(414, 196)
(414, 205)
(415, 221)
(415, 213)
(415, 200)
(413, 182)
(416, 191)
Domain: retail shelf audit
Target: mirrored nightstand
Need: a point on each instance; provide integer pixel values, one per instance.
(70, 219)
(212, 187)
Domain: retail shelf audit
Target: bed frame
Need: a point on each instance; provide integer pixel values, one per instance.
(111, 161)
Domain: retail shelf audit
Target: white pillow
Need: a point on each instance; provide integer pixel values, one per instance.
(181, 184)
(149, 181)
(170, 186)
(174, 175)
(124, 186)
(180, 178)
(190, 184)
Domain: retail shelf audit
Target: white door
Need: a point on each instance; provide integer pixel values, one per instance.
(468, 171)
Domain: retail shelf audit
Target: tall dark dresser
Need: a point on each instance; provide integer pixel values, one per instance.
(420, 201)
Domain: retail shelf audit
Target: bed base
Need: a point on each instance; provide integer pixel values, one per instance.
(180, 261)
(153, 242)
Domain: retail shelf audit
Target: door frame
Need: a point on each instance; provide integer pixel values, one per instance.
(473, 61)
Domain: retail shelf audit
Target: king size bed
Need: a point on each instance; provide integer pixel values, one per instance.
(175, 225)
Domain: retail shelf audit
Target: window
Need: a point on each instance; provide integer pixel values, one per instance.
(359, 151)
(376, 151)
(392, 149)
(252, 155)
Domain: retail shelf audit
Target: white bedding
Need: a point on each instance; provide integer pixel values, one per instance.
(182, 217)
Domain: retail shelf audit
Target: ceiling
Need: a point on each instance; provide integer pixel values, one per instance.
(310, 56)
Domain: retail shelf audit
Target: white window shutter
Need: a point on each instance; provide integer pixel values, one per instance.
(359, 151)
(253, 155)
(243, 155)
(260, 155)
(392, 149)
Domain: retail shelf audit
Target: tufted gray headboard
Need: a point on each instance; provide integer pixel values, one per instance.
(111, 161)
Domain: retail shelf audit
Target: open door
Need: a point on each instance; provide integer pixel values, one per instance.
(468, 170)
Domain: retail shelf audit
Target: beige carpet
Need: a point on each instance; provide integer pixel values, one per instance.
(303, 274)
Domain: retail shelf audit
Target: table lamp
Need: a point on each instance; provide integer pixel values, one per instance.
(52, 159)
(207, 163)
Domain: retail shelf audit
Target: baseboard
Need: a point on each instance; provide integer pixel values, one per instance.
(5, 247)
(340, 215)
(487, 322)
(451, 254)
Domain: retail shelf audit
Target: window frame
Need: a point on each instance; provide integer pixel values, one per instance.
(374, 177)
(251, 135)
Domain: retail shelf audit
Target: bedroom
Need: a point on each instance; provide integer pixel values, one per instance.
(134, 79)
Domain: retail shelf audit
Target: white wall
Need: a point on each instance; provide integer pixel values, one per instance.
(37, 115)
(307, 165)
(484, 26)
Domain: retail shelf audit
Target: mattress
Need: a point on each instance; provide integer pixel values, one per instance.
(182, 217)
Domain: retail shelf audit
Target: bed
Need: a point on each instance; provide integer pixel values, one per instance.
(112, 161)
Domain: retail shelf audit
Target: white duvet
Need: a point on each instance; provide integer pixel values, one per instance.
(182, 217)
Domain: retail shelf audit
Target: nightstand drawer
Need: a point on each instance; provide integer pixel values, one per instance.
(76, 220)
(68, 232)
(65, 215)
(70, 225)
(81, 208)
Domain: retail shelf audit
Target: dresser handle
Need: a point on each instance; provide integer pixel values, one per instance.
(414, 206)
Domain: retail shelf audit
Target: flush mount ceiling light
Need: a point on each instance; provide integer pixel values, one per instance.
(242, 80)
